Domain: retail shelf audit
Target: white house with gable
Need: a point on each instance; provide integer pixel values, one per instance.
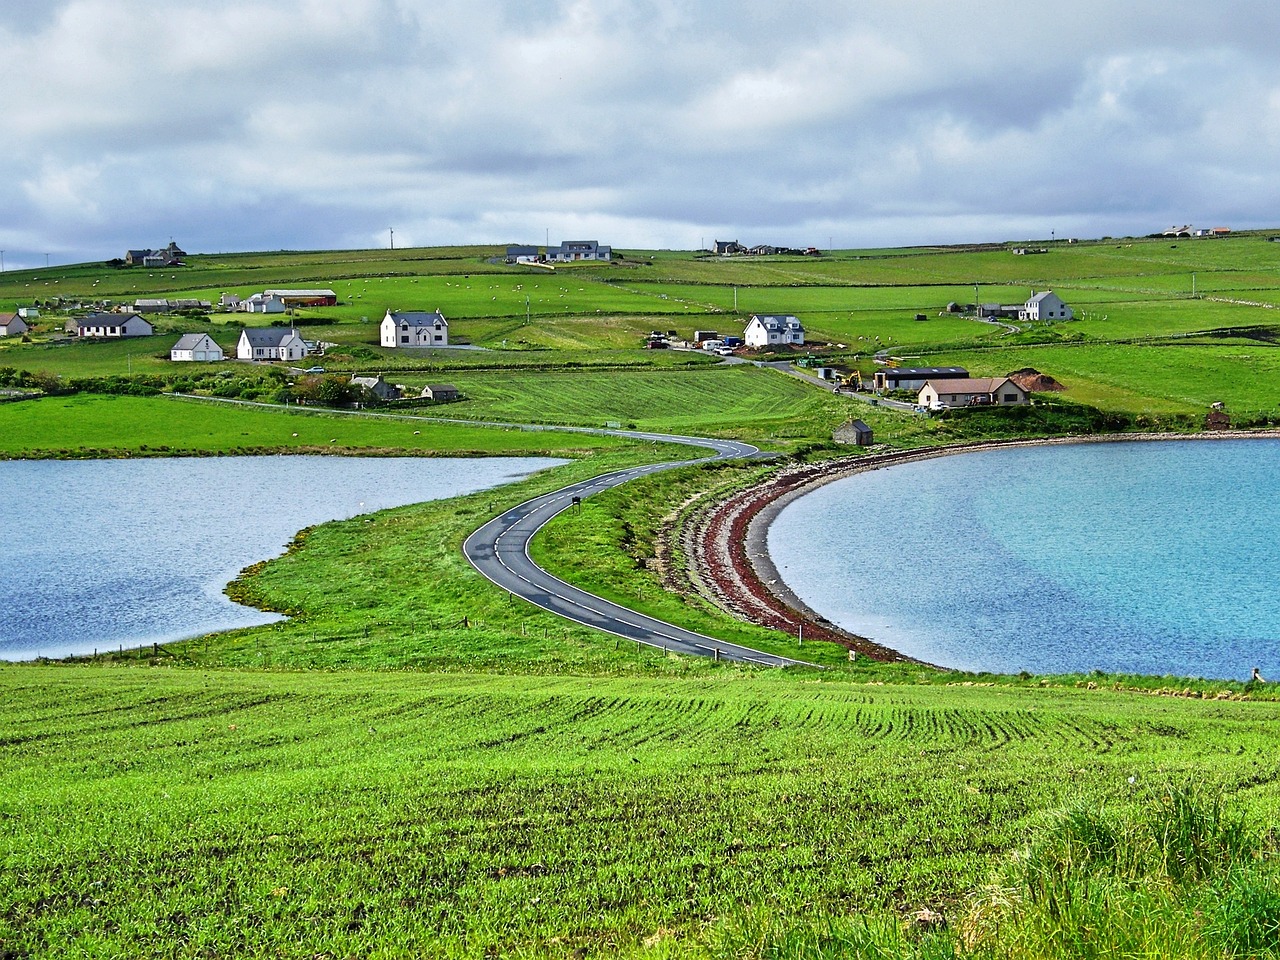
(770, 329)
(1047, 306)
(12, 325)
(271, 343)
(414, 328)
(196, 347)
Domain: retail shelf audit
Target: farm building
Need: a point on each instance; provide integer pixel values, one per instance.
(913, 378)
(1045, 306)
(304, 298)
(29, 313)
(261, 303)
(12, 325)
(853, 431)
(982, 391)
(229, 301)
(414, 328)
(196, 347)
(572, 250)
(769, 329)
(727, 248)
(151, 306)
(440, 391)
(378, 387)
(271, 343)
(521, 253)
(112, 326)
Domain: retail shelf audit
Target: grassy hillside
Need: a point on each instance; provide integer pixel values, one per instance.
(414, 763)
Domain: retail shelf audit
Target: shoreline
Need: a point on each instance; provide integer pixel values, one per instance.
(727, 544)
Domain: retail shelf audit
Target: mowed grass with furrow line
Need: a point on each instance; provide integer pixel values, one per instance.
(348, 813)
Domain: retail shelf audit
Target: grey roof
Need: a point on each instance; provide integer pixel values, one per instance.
(916, 373)
(189, 341)
(1040, 297)
(775, 321)
(418, 318)
(369, 382)
(433, 387)
(268, 336)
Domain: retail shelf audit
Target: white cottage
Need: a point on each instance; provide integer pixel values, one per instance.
(112, 326)
(770, 329)
(271, 343)
(1047, 306)
(261, 303)
(414, 328)
(12, 325)
(196, 347)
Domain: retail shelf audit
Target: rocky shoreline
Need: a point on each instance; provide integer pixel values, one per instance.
(725, 545)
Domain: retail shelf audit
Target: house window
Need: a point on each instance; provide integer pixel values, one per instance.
(439, 338)
(1010, 398)
(404, 338)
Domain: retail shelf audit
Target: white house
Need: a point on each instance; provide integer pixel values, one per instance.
(197, 347)
(768, 329)
(29, 313)
(12, 325)
(1047, 306)
(980, 391)
(229, 301)
(271, 343)
(572, 250)
(261, 303)
(414, 328)
(113, 326)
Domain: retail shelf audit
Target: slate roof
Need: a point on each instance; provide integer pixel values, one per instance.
(268, 336)
(418, 318)
(915, 373)
(189, 341)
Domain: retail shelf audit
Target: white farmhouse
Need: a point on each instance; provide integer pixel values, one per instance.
(769, 329)
(196, 347)
(261, 303)
(1047, 306)
(414, 328)
(12, 325)
(271, 343)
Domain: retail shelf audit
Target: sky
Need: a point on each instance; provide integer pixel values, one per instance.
(315, 124)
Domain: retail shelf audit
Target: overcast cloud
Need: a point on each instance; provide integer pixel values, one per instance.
(310, 124)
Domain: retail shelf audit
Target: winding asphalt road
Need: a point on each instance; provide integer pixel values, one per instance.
(500, 551)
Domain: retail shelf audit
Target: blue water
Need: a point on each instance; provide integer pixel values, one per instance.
(99, 554)
(1135, 557)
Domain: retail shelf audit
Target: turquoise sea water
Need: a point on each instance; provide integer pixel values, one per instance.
(1133, 557)
(100, 554)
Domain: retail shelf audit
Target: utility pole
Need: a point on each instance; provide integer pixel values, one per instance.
(1, 261)
(1193, 286)
(46, 261)
(393, 237)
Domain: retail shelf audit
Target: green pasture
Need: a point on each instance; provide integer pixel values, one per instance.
(154, 812)
(739, 400)
(1174, 377)
(77, 426)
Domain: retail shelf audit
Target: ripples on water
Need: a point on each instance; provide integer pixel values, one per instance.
(102, 553)
(1135, 557)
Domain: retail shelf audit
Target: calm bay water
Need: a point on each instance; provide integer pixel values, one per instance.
(99, 553)
(1135, 557)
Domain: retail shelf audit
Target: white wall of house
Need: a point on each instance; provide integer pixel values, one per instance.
(400, 332)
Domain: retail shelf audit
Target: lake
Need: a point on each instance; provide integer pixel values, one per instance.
(1130, 557)
(103, 553)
